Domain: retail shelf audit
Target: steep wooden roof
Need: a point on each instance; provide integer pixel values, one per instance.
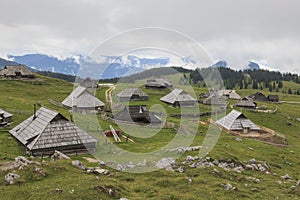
(4, 114)
(129, 92)
(246, 102)
(49, 129)
(158, 82)
(236, 121)
(177, 95)
(16, 71)
(82, 98)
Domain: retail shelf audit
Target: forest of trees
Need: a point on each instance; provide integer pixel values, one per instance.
(257, 79)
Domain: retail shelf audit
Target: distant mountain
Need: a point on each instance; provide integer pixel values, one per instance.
(129, 64)
(40, 62)
(112, 66)
(4, 62)
(220, 64)
(253, 66)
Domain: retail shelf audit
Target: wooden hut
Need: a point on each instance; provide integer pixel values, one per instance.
(16, 72)
(231, 94)
(137, 114)
(246, 102)
(132, 94)
(273, 98)
(158, 83)
(214, 100)
(237, 121)
(82, 100)
(5, 118)
(47, 130)
(89, 83)
(258, 96)
(178, 98)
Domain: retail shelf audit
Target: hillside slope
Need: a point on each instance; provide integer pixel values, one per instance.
(64, 181)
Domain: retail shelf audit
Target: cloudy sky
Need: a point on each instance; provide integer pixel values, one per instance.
(267, 31)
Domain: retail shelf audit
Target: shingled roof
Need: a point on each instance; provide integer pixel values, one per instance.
(82, 98)
(177, 95)
(137, 113)
(246, 102)
(259, 96)
(158, 82)
(48, 130)
(4, 114)
(16, 71)
(237, 121)
(213, 100)
(132, 94)
(89, 83)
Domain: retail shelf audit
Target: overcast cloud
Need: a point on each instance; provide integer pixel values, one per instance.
(231, 30)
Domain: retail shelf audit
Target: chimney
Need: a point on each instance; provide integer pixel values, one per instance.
(34, 111)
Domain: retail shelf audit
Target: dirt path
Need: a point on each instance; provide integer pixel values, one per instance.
(292, 102)
(108, 93)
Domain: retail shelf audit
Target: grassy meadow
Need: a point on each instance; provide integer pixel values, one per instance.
(64, 181)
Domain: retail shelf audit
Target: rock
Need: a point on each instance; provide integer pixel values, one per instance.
(101, 163)
(216, 162)
(216, 171)
(11, 177)
(278, 182)
(254, 190)
(21, 162)
(250, 148)
(260, 167)
(78, 164)
(190, 180)
(286, 177)
(230, 165)
(98, 170)
(57, 155)
(249, 167)
(298, 119)
(189, 158)
(120, 167)
(288, 123)
(38, 170)
(293, 187)
(298, 183)
(266, 165)
(252, 161)
(180, 169)
(238, 169)
(228, 186)
(238, 139)
(253, 179)
(165, 162)
(89, 170)
(123, 199)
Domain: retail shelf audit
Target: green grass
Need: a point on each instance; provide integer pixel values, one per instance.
(19, 97)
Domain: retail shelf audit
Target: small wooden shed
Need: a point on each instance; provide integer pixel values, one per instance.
(5, 118)
(138, 114)
(132, 94)
(82, 100)
(15, 72)
(178, 98)
(158, 83)
(47, 130)
(237, 121)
